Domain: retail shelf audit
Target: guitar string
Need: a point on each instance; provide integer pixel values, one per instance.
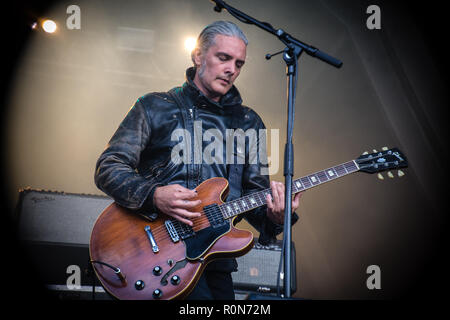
(345, 166)
(236, 205)
(339, 170)
(161, 232)
(259, 195)
(199, 223)
(215, 213)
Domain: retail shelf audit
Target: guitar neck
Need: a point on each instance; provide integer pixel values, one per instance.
(258, 199)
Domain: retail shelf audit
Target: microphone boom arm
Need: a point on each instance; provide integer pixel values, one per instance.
(281, 34)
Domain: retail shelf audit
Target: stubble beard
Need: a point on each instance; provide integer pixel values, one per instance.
(201, 73)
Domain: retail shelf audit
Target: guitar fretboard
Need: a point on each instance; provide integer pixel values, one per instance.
(258, 199)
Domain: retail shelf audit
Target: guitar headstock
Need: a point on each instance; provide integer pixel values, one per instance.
(384, 160)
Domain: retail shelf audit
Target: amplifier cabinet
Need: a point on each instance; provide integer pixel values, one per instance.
(258, 270)
(54, 229)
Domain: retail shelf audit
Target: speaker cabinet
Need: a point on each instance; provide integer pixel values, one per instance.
(54, 229)
(258, 270)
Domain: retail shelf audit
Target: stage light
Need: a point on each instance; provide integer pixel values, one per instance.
(49, 26)
(189, 43)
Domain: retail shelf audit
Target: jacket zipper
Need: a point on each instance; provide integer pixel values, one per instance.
(196, 167)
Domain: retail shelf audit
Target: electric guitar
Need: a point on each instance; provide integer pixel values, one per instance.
(135, 258)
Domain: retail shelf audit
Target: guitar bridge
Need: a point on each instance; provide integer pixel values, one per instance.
(178, 231)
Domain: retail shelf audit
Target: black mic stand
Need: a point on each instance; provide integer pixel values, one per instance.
(291, 54)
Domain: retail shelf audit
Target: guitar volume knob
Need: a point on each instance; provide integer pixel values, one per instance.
(175, 280)
(157, 294)
(157, 270)
(139, 285)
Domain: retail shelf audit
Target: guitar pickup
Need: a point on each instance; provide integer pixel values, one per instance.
(172, 231)
(148, 230)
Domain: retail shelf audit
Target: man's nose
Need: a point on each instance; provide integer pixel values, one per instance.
(230, 68)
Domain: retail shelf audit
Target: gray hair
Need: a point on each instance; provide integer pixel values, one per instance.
(206, 38)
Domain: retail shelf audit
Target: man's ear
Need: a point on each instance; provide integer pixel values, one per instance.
(196, 56)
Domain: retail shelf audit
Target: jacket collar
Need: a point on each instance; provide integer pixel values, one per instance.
(231, 98)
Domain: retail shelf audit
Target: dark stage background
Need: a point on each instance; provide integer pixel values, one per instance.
(64, 94)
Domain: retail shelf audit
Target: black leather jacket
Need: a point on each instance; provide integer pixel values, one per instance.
(138, 156)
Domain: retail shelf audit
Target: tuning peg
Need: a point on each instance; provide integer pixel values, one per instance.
(384, 148)
(380, 176)
(374, 151)
(365, 152)
(390, 175)
(400, 173)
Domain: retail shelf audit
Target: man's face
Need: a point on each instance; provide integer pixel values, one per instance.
(219, 66)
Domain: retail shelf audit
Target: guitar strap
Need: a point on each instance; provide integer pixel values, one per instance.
(234, 169)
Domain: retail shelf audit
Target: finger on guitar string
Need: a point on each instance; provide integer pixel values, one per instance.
(199, 222)
(183, 220)
(269, 201)
(277, 189)
(280, 189)
(186, 203)
(174, 200)
(275, 196)
(275, 202)
(296, 201)
(184, 193)
(184, 215)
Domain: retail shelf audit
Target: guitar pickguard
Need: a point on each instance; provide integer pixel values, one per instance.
(203, 240)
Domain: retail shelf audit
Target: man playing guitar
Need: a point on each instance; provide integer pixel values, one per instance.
(137, 168)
